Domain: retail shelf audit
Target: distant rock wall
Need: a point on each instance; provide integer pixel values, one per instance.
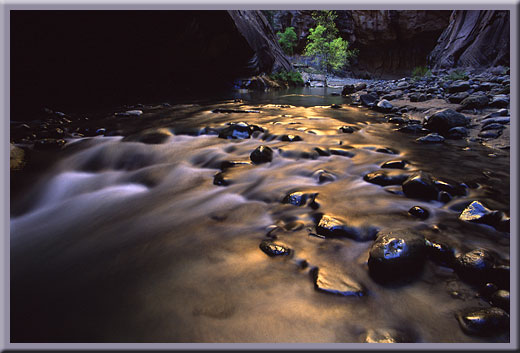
(473, 39)
(390, 42)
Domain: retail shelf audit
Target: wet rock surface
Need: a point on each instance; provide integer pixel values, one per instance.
(483, 322)
(262, 154)
(396, 255)
(338, 284)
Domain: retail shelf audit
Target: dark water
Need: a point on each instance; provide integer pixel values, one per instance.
(121, 241)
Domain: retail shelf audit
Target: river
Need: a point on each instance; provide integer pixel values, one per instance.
(117, 240)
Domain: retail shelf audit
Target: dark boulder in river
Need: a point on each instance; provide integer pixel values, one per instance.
(262, 154)
(483, 322)
(396, 255)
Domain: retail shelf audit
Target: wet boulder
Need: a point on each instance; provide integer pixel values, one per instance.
(495, 120)
(493, 126)
(444, 120)
(348, 89)
(336, 283)
(239, 131)
(299, 198)
(347, 129)
(331, 227)
(412, 128)
(476, 212)
(272, 248)
(476, 100)
(431, 138)
(383, 178)
(370, 99)
(221, 180)
(396, 255)
(420, 185)
(262, 154)
(501, 299)
(394, 164)
(324, 176)
(419, 212)
(440, 253)
(483, 322)
(384, 106)
(291, 138)
(475, 266)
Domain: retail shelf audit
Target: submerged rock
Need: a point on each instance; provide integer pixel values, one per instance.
(341, 152)
(394, 164)
(419, 212)
(262, 154)
(421, 186)
(291, 138)
(273, 249)
(324, 176)
(220, 180)
(383, 178)
(130, 113)
(299, 198)
(483, 322)
(336, 283)
(347, 129)
(396, 255)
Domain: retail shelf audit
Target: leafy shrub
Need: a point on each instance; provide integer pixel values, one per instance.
(288, 40)
(458, 75)
(421, 71)
(291, 78)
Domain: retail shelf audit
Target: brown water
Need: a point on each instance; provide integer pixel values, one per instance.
(122, 241)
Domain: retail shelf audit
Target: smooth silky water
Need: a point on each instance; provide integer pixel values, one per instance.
(124, 241)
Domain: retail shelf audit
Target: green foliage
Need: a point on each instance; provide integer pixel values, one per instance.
(288, 40)
(331, 54)
(327, 19)
(421, 71)
(458, 75)
(292, 78)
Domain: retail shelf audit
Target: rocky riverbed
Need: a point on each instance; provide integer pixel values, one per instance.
(374, 212)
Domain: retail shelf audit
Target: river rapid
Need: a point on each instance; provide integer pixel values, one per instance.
(133, 238)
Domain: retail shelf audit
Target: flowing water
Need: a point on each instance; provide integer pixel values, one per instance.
(118, 240)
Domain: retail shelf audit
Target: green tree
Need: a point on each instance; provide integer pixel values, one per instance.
(330, 55)
(288, 40)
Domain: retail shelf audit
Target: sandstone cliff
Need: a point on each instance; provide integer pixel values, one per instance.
(473, 39)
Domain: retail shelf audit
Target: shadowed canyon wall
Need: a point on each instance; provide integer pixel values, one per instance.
(67, 60)
(473, 39)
